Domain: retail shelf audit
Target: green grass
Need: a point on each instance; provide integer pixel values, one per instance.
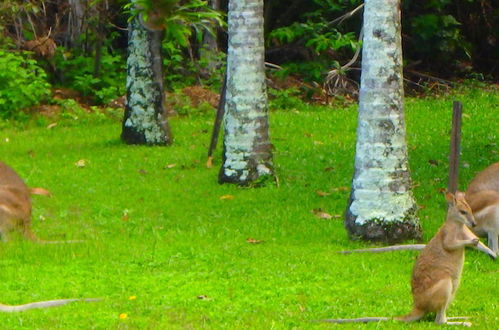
(181, 241)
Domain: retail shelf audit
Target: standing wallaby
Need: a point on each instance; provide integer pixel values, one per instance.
(15, 205)
(437, 272)
(483, 197)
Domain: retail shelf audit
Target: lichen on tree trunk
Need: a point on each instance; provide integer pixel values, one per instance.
(145, 119)
(381, 205)
(247, 153)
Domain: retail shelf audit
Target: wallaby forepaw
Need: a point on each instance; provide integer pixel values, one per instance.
(475, 241)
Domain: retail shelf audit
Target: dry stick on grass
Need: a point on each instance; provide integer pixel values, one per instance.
(455, 147)
(42, 304)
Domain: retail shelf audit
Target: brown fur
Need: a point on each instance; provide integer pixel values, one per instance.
(15, 212)
(483, 197)
(437, 271)
(15, 205)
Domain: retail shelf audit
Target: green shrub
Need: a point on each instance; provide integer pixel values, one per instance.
(285, 99)
(78, 74)
(22, 83)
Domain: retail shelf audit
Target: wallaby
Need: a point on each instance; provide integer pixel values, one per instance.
(42, 304)
(483, 197)
(437, 271)
(15, 205)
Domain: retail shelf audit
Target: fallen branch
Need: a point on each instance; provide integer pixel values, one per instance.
(430, 77)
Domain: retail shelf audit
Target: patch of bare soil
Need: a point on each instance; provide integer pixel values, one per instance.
(198, 95)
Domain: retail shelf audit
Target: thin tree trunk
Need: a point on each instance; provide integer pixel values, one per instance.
(381, 205)
(247, 151)
(209, 48)
(98, 42)
(76, 17)
(145, 119)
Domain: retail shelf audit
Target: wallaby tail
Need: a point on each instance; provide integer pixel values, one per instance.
(390, 248)
(61, 242)
(357, 320)
(42, 304)
(415, 315)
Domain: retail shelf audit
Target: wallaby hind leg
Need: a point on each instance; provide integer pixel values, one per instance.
(493, 238)
(442, 293)
(5, 226)
(28, 233)
(3, 235)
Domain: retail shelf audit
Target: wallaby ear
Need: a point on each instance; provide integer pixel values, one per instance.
(451, 199)
(459, 195)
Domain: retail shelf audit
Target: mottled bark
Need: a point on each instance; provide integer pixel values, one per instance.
(381, 205)
(247, 151)
(145, 119)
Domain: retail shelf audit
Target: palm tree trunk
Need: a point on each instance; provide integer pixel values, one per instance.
(247, 151)
(381, 205)
(145, 119)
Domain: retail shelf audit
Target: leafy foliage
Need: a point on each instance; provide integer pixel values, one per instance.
(181, 70)
(452, 37)
(180, 19)
(324, 42)
(77, 71)
(184, 23)
(310, 34)
(285, 99)
(441, 35)
(22, 83)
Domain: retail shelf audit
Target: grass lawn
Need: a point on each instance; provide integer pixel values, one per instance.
(163, 250)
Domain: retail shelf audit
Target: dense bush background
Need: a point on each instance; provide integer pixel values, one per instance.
(22, 83)
(441, 38)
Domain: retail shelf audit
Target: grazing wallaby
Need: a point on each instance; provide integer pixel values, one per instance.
(437, 272)
(483, 197)
(15, 205)
(41, 304)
